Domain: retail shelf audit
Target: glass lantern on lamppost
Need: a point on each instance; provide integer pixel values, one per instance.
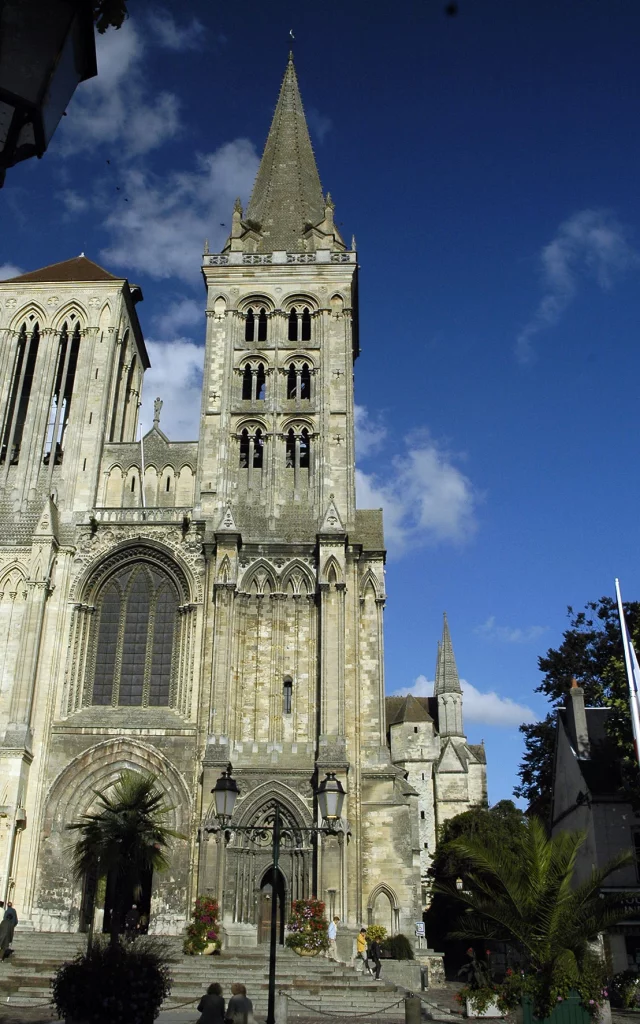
(46, 49)
(330, 795)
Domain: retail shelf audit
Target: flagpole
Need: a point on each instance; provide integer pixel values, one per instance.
(629, 660)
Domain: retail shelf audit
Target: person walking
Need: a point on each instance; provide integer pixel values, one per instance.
(332, 935)
(373, 953)
(211, 1006)
(7, 928)
(361, 950)
(239, 1008)
(132, 922)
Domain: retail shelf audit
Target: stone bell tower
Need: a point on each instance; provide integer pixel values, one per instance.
(297, 571)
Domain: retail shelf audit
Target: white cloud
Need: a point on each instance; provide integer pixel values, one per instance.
(172, 36)
(175, 377)
(183, 313)
(424, 496)
(162, 228)
(8, 270)
(509, 634)
(117, 107)
(319, 124)
(591, 244)
(73, 202)
(370, 431)
(477, 707)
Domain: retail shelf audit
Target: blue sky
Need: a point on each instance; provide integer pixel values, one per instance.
(488, 167)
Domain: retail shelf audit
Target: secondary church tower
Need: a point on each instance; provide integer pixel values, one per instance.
(175, 606)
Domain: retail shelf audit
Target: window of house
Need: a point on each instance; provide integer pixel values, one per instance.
(304, 449)
(305, 325)
(292, 382)
(136, 626)
(244, 449)
(261, 383)
(305, 382)
(293, 325)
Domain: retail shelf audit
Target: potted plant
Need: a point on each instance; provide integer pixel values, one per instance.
(203, 933)
(307, 930)
(479, 995)
(115, 982)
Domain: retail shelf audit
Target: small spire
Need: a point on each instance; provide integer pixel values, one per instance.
(206, 246)
(237, 206)
(157, 408)
(447, 679)
(353, 243)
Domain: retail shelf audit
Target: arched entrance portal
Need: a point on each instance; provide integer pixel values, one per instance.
(119, 900)
(268, 892)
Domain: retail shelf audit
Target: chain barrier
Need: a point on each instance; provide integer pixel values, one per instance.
(341, 1013)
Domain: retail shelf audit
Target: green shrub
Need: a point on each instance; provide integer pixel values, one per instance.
(398, 947)
(625, 990)
(118, 984)
(377, 932)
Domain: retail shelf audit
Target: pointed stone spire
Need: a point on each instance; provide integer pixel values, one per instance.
(447, 679)
(287, 195)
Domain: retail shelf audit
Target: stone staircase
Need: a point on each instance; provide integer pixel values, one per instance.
(319, 984)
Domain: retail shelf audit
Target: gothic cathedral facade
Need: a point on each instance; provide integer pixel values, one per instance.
(172, 607)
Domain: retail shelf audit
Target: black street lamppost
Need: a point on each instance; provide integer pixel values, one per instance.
(330, 795)
(47, 48)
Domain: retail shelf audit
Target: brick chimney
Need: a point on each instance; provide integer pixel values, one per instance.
(578, 719)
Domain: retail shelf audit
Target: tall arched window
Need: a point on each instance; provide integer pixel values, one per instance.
(60, 406)
(293, 325)
(300, 324)
(305, 382)
(250, 326)
(305, 326)
(23, 371)
(136, 628)
(246, 383)
(292, 382)
(244, 449)
(262, 325)
(261, 383)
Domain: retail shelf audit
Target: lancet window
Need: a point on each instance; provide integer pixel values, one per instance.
(297, 450)
(255, 328)
(137, 621)
(251, 449)
(60, 406)
(300, 324)
(299, 382)
(287, 695)
(22, 383)
(254, 383)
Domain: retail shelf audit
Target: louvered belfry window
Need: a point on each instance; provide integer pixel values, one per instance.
(137, 619)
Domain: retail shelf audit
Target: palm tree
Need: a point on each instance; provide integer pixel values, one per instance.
(126, 837)
(528, 895)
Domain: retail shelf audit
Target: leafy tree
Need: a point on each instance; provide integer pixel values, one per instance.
(127, 836)
(500, 824)
(591, 651)
(109, 14)
(524, 893)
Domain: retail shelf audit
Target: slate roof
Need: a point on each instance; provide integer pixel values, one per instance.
(287, 194)
(407, 709)
(77, 269)
(601, 770)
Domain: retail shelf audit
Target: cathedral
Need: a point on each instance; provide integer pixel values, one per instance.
(173, 606)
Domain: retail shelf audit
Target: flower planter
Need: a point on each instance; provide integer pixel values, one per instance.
(491, 1010)
(306, 952)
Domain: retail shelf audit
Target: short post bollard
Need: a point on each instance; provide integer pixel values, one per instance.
(412, 1008)
(281, 1007)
